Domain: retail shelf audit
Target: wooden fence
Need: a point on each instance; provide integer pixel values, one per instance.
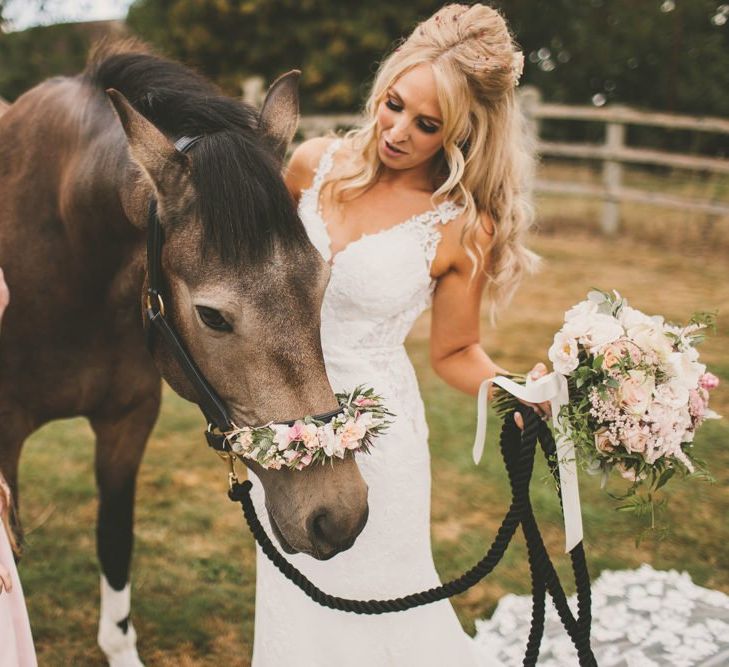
(613, 153)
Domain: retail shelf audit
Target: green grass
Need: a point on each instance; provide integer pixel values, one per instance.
(193, 571)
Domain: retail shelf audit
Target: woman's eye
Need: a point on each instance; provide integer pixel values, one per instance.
(213, 319)
(392, 105)
(427, 127)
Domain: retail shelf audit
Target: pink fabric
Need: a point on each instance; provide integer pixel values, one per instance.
(16, 642)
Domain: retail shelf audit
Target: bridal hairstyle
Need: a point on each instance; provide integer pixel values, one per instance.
(486, 164)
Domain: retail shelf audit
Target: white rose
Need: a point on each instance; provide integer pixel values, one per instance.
(584, 308)
(331, 443)
(280, 436)
(661, 416)
(630, 317)
(366, 419)
(563, 354)
(594, 331)
(685, 368)
(650, 338)
(673, 394)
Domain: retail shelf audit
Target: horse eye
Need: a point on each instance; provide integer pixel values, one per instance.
(213, 319)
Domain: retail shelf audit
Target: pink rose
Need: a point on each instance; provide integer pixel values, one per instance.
(363, 402)
(604, 441)
(708, 381)
(296, 432)
(635, 392)
(351, 434)
(636, 439)
(309, 436)
(696, 404)
(615, 352)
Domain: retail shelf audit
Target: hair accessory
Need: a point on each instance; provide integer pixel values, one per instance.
(517, 65)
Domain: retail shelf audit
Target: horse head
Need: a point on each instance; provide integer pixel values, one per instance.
(244, 288)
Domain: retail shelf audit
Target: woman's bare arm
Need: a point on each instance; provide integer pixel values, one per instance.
(455, 348)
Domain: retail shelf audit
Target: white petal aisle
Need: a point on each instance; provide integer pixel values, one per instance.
(641, 618)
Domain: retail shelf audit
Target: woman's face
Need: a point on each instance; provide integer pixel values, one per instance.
(409, 120)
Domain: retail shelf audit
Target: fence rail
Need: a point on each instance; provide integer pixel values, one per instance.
(613, 153)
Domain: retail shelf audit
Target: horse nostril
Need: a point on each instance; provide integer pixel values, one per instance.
(319, 528)
(325, 536)
(330, 534)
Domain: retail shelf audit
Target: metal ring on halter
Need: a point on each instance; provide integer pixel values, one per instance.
(160, 302)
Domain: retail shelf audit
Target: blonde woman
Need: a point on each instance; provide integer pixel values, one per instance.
(425, 204)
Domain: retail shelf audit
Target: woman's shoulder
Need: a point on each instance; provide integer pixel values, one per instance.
(452, 253)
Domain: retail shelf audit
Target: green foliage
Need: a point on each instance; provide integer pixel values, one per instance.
(335, 44)
(668, 56)
(627, 52)
(630, 52)
(30, 56)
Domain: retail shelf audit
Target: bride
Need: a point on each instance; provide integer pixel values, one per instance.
(426, 204)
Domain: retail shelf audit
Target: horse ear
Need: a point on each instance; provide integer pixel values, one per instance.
(164, 166)
(280, 112)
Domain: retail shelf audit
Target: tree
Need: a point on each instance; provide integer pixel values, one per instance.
(662, 54)
(335, 43)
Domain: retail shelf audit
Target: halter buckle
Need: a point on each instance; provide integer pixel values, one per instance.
(232, 475)
(160, 302)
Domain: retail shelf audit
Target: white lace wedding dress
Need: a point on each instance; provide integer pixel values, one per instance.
(641, 618)
(379, 285)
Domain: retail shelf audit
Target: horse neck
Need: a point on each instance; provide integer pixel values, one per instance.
(95, 173)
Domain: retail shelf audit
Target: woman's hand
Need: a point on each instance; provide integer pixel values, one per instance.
(543, 410)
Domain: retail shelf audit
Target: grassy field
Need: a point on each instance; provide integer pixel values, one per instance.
(193, 575)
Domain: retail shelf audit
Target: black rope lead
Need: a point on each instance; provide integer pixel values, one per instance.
(517, 450)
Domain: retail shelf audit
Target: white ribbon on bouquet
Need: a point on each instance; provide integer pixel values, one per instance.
(553, 388)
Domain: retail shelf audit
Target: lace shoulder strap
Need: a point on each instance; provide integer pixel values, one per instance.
(326, 162)
(445, 212)
(430, 223)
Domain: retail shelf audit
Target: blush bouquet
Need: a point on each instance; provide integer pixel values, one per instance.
(637, 392)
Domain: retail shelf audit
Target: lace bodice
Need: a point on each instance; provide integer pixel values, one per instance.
(380, 282)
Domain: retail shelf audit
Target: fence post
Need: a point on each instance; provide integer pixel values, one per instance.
(612, 176)
(530, 98)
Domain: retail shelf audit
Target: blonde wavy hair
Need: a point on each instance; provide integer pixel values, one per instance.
(486, 163)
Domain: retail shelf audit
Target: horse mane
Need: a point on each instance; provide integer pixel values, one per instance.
(242, 201)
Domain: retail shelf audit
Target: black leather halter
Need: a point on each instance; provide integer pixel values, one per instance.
(210, 403)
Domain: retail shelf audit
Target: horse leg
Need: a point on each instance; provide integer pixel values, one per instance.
(120, 442)
(16, 427)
